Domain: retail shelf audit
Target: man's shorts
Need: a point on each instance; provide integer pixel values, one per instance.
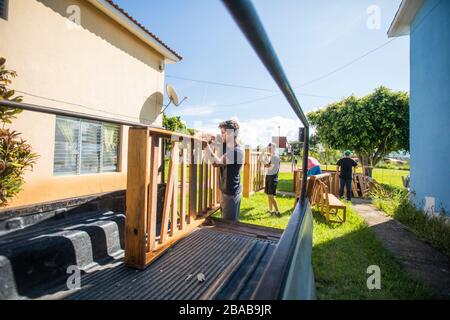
(270, 186)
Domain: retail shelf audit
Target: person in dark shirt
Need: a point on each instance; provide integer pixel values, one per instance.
(345, 169)
(230, 163)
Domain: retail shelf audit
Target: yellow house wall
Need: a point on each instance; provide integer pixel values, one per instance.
(97, 68)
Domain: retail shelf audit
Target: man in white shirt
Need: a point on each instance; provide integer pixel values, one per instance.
(270, 188)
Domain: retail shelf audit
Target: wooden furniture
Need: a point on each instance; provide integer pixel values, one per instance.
(191, 192)
(329, 204)
(319, 195)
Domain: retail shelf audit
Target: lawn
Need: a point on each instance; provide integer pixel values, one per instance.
(341, 255)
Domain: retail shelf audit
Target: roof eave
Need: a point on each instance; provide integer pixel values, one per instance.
(401, 25)
(117, 15)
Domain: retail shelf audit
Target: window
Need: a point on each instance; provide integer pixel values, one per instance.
(83, 147)
(4, 9)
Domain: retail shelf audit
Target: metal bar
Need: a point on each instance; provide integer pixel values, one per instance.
(74, 114)
(273, 281)
(246, 17)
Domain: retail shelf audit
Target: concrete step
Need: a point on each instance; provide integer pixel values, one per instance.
(39, 255)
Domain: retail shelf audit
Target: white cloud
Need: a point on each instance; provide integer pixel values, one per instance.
(258, 131)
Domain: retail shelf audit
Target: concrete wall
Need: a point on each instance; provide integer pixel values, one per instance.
(97, 68)
(430, 105)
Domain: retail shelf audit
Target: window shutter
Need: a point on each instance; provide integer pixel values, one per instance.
(110, 146)
(66, 155)
(91, 144)
(85, 147)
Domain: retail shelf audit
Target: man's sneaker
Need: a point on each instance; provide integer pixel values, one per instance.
(278, 214)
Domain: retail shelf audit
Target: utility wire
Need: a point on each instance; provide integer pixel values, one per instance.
(345, 65)
(324, 76)
(215, 83)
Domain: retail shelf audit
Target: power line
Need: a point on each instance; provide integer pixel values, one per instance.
(346, 65)
(275, 95)
(279, 93)
(215, 83)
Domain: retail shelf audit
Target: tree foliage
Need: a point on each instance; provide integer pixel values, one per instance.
(372, 126)
(176, 124)
(16, 155)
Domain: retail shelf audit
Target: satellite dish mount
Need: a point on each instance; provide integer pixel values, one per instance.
(173, 97)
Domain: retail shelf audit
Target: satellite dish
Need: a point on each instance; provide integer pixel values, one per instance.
(172, 95)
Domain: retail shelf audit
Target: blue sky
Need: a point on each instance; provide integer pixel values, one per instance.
(311, 38)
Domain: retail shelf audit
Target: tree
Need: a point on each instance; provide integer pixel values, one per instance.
(176, 124)
(16, 155)
(372, 126)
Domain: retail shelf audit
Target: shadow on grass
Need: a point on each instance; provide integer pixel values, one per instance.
(342, 254)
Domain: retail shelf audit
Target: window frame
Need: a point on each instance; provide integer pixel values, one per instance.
(79, 172)
(4, 12)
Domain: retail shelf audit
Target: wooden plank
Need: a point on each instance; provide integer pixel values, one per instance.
(362, 185)
(217, 182)
(183, 188)
(355, 188)
(136, 196)
(168, 197)
(152, 256)
(211, 186)
(205, 186)
(247, 174)
(193, 169)
(176, 168)
(200, 186)
(153, 193)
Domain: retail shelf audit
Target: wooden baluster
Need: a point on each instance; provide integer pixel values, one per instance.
(205, 187)
(137, 193)
(153, 193)
(214, 186)
(211, 186)
(218, 194)
(247, 174)
(168, 195)
(176, 150)
(183, 188)
(193, 172)
(200, 185)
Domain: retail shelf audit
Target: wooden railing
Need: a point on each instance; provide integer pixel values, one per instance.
(361, 185)
(254, 172)
(160, 212)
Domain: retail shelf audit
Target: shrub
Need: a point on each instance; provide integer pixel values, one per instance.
(395, 202)
(16, 155)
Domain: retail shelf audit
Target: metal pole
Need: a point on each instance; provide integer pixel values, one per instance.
(248, 21)
(74, 114)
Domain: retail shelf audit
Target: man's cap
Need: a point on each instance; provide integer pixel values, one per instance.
(347, 153)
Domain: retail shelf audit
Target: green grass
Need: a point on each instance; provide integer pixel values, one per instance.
(395, 202)
(341, 254)
(286, 181)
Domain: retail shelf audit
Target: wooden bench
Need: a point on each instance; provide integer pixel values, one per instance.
(327, 202)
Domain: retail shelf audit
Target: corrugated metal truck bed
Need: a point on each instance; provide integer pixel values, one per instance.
(231, 256)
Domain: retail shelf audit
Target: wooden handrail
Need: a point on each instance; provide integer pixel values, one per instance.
(183, 201)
